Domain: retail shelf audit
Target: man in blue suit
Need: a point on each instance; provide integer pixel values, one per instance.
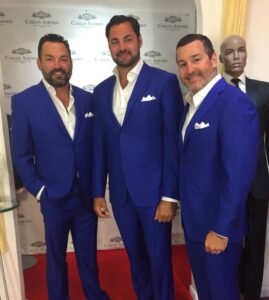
(137, 117)
(233, 55)
(218, 149)
(51, 140)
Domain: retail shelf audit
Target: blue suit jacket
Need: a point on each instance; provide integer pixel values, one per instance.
(141, 156)
(217, 164)
(43, 151)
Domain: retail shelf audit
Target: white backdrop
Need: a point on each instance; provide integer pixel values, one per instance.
(83, 27)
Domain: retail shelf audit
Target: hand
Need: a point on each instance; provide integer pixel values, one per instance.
(215, 244)
(166, 211)
(100, 207)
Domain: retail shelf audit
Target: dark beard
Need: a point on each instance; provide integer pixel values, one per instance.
(57, 82)
(132, 62)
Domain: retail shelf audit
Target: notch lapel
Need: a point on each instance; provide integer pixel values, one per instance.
(209, 100)
(138, 91)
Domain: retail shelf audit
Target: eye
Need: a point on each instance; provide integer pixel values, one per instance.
(181, 64)
(227, 52)
(64, 59)
(114, 42)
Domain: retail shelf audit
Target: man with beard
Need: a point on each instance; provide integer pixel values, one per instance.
(233, 55)
(218, 150)
(135, 143)
(51, 141)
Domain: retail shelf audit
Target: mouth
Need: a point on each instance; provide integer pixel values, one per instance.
(236, 65)
(191, 79)
(123, 54)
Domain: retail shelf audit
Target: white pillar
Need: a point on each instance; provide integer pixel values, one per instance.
(11, 278)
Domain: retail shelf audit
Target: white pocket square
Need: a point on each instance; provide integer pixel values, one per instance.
(148, 98)
(202, 125)
(88, 115)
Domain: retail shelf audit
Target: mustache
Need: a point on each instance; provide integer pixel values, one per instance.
(123, 52)
(193, 74)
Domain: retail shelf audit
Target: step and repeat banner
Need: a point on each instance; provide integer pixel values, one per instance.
(84, 28)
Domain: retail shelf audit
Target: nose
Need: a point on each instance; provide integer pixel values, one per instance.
(236, 54)
(56, 63)
(122, 46)
(190, 68)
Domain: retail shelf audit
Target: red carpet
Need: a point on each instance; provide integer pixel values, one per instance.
(115, 276)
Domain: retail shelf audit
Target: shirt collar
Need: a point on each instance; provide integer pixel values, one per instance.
(51, 89)
(132, 74)
(228, 78)
(196, 99)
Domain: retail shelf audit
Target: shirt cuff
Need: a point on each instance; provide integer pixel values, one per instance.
(219, 235)
(169, 199)
(38, 196)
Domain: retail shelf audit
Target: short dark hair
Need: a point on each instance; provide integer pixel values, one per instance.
(52, 37)
(119, 19)
(189, 38)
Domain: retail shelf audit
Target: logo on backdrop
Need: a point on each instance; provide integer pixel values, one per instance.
(114, 243)
(76, 57)
(104, 57)
(175, 23)
(4, 20)
(154, 57)
(8, 90)
(41, 19)
(86, 20)
(38, 244)
(20, 55)
(22, 219)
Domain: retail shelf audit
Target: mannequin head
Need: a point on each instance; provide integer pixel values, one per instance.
(233, 55)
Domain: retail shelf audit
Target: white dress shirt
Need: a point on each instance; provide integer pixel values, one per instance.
(121, 97)
(241, 83)
(68, 115)
(195, 100)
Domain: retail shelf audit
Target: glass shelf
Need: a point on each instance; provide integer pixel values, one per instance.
(7, 205)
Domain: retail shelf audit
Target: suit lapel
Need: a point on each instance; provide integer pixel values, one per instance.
(209, 100)
(79, 113)
(252, 89)
(109, 95)
(181, 123)
(50, 108)
(138, 91)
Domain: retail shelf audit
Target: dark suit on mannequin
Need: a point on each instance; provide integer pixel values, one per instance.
(252, 261)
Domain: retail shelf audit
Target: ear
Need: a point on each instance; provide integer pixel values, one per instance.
(140, 41)
(38, 62)
(214, 59)
(220, 59)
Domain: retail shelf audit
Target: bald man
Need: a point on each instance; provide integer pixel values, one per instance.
(233, 55)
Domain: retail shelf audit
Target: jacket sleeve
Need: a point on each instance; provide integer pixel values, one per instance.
(172, 108)
(22, 146)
